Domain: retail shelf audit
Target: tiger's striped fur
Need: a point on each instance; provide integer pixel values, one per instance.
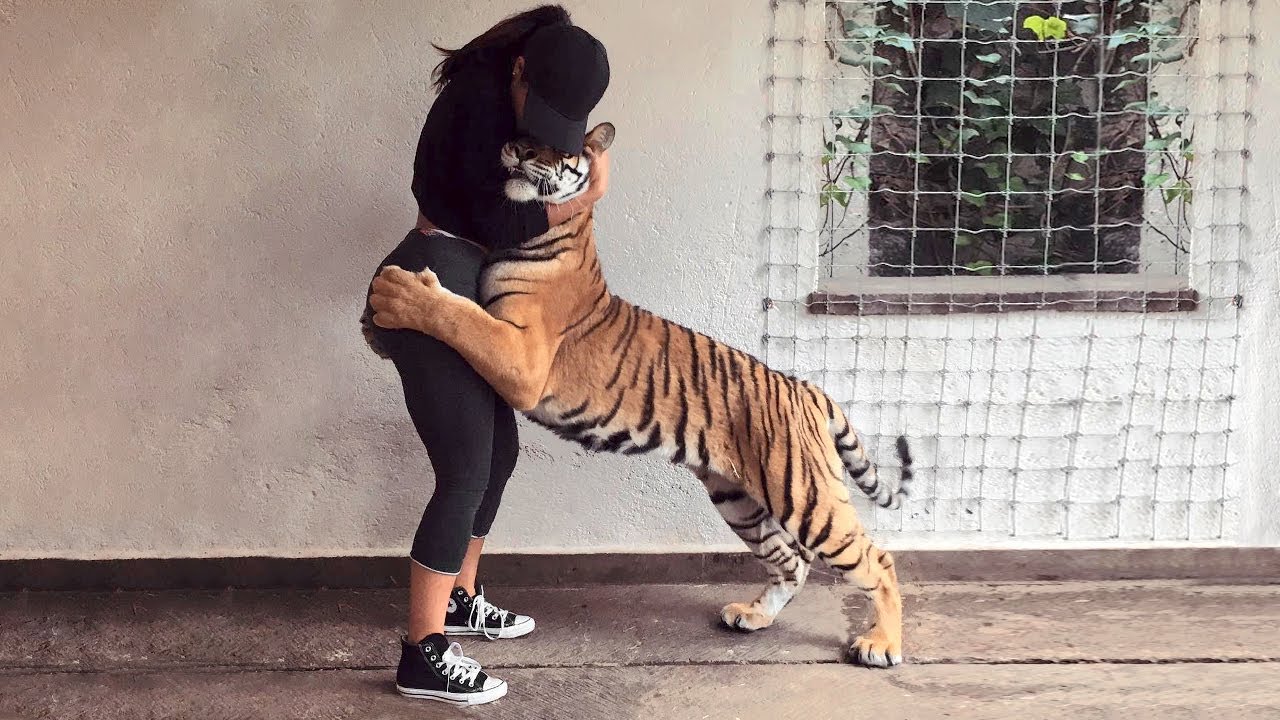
(770, 449)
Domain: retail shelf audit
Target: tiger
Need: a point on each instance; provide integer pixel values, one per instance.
(770, 449)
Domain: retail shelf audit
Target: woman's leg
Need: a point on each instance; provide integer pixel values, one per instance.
(428, 600)
(470, 567)
(471, 613)
(506, 450)
(451, 409)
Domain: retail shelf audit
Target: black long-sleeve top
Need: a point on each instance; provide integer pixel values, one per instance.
(457, 174)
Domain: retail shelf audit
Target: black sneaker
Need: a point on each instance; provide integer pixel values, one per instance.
(434, 669)
(469, 615)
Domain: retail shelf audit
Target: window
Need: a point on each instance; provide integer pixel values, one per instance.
(976, 138)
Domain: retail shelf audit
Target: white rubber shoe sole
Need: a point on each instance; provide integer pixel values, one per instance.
(472, 698)
(522, 626)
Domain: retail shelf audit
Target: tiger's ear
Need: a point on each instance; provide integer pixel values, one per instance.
(600, 137)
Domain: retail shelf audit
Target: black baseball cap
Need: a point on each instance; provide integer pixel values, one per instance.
(567, 70)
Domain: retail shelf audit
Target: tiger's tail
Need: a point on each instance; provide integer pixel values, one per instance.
(854, 456)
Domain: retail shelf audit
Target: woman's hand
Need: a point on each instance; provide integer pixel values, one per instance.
(598, 185)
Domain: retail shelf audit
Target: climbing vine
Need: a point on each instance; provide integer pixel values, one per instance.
(1009, 138)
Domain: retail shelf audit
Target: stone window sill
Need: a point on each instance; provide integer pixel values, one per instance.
(947, 295)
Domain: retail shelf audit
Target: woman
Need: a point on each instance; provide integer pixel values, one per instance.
(532, 74)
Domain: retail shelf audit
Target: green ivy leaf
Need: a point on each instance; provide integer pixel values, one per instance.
(1157, 144)
(871, 62)
(899, 40)
(1046, 28)
(998, 220)
(1157, 28)
(1080, 157)
(975, 98)
(964, 239)
(1151, 180)
(1075, 176)
(1154, 107)
(990, 59)
(866, 112)
(974, 199)
(1086, 24)
(858, 182)
(1123, 37)
(1180, 190)
(1158, 58)
(988, 16)
(982, 267)
(1035, 24)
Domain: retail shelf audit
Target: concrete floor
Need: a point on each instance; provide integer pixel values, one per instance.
(1095, 650)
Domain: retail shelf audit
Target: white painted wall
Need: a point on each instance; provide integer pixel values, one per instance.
(193, 196)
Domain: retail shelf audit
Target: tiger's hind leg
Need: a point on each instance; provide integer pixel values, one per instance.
(851, 552)
(786, 560)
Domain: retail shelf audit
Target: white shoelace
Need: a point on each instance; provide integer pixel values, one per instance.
(481, 611)
(458, 666)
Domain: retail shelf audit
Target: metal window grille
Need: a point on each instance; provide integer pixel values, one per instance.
(986, 152)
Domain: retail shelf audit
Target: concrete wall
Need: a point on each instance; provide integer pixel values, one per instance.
(192, 199)
(193, 195)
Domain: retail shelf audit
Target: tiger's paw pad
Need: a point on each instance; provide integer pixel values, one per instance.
(744, 617)
(875, 652)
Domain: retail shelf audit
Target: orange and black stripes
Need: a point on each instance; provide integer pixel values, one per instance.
(772, 450)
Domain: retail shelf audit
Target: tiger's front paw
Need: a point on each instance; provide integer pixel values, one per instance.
(402, 299)
(745, 616)
(876, 650)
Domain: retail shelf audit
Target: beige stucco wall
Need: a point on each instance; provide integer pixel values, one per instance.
(193, 195)
(192, 198)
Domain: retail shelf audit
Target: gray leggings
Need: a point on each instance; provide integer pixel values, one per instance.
(468, 430)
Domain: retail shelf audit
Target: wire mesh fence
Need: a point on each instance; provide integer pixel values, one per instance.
(937, 166)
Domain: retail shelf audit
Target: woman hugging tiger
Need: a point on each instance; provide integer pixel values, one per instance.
(770, 449)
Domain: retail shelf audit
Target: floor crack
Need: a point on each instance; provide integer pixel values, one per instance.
(254, 668)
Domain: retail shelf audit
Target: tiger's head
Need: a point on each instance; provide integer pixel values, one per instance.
(545, 174)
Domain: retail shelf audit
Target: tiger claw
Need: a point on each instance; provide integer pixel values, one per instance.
(873, 653)
(742, 616)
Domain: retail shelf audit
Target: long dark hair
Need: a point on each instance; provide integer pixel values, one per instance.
(508, 36)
